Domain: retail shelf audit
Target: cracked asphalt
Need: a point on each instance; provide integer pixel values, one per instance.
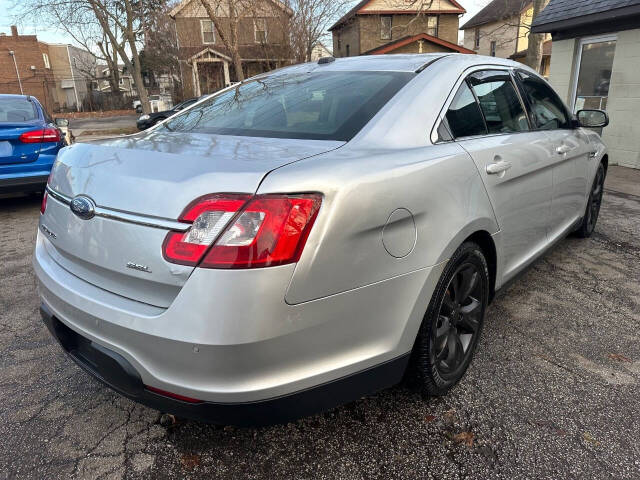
(553, 391)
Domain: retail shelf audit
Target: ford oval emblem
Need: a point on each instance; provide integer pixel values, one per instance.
(83, 207)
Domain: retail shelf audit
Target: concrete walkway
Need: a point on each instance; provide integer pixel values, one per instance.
(623, 180)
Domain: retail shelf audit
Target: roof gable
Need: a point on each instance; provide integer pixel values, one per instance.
(497, 10)
(401, 42)
(377, 7)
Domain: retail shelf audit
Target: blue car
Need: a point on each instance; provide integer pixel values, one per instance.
(29, 144)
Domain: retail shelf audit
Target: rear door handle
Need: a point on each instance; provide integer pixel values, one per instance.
(498, 167)
(562, 149)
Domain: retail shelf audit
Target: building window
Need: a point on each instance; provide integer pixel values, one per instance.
(45, 57)
(260, 30)
(493, 48)
(348, 50)
(476, 41)
(432, 25)
(208, 31)
(386, 23)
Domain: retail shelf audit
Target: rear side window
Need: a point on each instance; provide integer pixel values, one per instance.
(464, 117)
(499, 101)
(17, 110)
(319, 106)
(547, 109)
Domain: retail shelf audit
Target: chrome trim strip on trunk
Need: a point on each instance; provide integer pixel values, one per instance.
(143, 220)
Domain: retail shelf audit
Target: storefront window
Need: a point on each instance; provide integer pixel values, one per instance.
(594, 74)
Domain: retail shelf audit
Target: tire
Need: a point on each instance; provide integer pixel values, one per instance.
(591, 213)
(453, 323)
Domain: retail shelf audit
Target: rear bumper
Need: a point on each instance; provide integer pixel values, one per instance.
(230, 340)
(29, 183)
(117, 373)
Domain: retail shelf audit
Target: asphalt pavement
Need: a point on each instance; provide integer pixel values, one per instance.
(553, 391)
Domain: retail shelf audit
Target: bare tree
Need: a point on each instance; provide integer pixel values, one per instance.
(536, 40)
(310, 22)
(232, 11)
(512, 16)
(111, 27)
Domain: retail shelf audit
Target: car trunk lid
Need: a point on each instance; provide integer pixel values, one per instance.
(12, 149)
(139, 186)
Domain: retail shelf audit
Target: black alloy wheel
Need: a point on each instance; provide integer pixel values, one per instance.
(594, 203)
(453, 322)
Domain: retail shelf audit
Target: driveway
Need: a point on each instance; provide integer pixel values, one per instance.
(554, 390)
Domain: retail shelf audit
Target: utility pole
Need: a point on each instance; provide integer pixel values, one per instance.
(13, 54)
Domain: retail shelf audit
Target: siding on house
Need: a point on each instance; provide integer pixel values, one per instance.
(623, 133)
(403, 25)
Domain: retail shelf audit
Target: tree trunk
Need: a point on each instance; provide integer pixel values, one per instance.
(230, 42)
(536, 40)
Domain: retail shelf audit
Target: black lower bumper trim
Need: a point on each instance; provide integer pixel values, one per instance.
(23, 184)
(116, 372)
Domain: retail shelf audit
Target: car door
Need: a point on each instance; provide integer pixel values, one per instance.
(570, 147)
(514, 162)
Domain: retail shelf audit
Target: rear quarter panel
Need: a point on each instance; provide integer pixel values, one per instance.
(438, 184)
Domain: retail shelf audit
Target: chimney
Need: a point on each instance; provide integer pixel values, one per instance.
(14, 30)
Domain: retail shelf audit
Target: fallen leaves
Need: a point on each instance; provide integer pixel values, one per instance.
(429, 418)
(190, 460)
(619, 358)
(465, 438)
(590, 439)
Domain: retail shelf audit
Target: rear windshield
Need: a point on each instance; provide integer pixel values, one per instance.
(318, 106)
(17, 110)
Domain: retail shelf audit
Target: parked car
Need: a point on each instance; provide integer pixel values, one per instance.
(29, 143)
(149, 120)
(312, 235)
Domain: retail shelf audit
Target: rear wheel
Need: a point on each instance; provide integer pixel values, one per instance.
(453, 322)
(592, 212)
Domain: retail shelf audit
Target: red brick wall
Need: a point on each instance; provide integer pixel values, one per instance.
(28, 52)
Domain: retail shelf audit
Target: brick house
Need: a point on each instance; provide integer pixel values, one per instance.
(58, 75)
(25, 67)
(205, 63)
(397, 26)
(501, 29)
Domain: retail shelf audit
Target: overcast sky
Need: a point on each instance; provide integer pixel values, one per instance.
(52, 35)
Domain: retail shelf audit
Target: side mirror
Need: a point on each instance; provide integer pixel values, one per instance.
(593, 118)
(62, 122)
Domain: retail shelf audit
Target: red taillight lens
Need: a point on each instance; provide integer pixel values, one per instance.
(44, 135)
(43, 206)
(270, 230)
(208, 216)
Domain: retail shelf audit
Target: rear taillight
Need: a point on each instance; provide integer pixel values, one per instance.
(43, 206)
(235, 232)
(43, 135)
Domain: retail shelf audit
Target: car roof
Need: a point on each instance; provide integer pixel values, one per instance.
(399, 62)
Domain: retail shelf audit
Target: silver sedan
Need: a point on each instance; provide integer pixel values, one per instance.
(312, 234)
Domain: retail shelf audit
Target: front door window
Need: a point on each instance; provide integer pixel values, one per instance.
(595, 62)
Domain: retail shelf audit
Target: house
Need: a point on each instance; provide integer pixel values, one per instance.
(57, 75)
(501, 29)
(319, 51)
(126, 85)
(205, 63)
(545, 63)
(596, 63)
(73, 69)
(390, 26)
(25, 67)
